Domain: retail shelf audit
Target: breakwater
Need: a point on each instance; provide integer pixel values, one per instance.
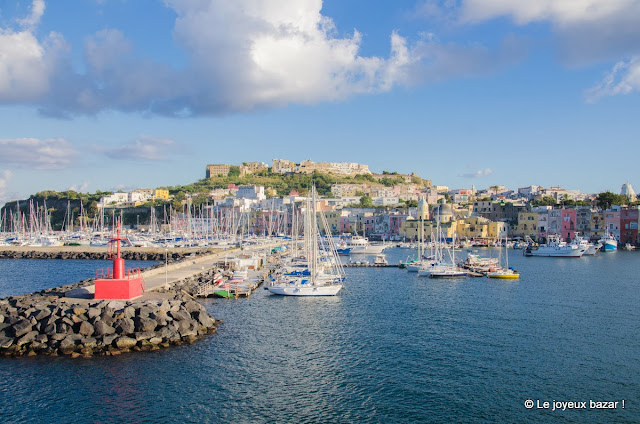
(132, 254)
(42, 324)
(49, 323)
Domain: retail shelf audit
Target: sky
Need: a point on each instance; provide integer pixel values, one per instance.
(124, 94)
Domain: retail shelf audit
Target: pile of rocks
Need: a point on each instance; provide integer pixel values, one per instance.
(42, 324)
(137, 255)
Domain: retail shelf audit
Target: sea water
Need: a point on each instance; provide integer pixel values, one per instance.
(392, 347)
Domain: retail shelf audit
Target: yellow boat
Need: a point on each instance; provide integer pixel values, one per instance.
(505, 274)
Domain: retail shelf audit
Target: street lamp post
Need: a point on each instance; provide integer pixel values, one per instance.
(166, 265)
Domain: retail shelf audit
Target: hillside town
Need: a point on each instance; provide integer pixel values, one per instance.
(387, 206)
(394, 211)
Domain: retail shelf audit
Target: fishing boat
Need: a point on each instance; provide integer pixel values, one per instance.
(609, 243)
(380, 260)
(555, 247)
(580, 241)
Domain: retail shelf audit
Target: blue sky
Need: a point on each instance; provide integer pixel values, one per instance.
(120, 94)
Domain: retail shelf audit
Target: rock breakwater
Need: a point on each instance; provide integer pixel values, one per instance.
(42, 324)
(126, 254)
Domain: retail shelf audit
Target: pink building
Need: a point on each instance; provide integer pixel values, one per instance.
(569, 219)
(395, 222)
(612, 223)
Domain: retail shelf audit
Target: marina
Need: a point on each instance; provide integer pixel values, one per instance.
(449, 331)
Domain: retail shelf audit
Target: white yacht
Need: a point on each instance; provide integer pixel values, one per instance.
(555, 247)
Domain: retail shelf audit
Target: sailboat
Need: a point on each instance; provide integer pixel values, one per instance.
(318, 282)
(505, 273)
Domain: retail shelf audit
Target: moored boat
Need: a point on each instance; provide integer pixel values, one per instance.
(556, 248)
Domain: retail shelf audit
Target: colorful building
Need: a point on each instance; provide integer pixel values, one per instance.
(527, 224)
(629, 225)
(612, 223)
(569, 224)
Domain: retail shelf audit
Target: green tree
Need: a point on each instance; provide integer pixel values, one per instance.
(606, 199)
(177, 201)
(546, 201)
(366, 202)
(234, 171)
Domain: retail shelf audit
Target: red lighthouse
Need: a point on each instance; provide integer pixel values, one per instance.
(121, 283)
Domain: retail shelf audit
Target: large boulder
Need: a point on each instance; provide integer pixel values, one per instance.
(102, 328)
(204, 319)
(145, 324)
(180, 315)
(125, 342)
(124, 326)
(42, 314)
(85, 329)
(192, 306)
(22, 327)
(27, 338)
(5, 342)
(67, 345)
(93, 313)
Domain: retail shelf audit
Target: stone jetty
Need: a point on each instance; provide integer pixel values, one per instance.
(132, 254)
(46, 324)
(50, 323)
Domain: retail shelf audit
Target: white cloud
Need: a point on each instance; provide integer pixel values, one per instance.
(53, 153)
(478, 174)
(37, 10)
(145, 148)
(26, 63)
(560, 12)
(5, 177)
(242, 55)
(80, 188)
(624, 78)
(587, 31)
(253, 53)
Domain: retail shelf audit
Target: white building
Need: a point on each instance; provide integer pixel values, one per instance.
(251, 192)
(137, 196)
(386, 201)
(627, 191)
(114, 199)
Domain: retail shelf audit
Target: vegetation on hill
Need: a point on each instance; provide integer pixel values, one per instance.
(283, 184)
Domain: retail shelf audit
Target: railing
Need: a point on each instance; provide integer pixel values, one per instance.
(107, 273)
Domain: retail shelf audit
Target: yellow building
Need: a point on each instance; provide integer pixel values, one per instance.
(333, 220)
(410, 229)
(160, 193)
(471, 228)
(497, 230)
(527, 224)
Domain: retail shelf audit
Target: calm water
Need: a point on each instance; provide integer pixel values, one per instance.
(394, 347)
(20, 276)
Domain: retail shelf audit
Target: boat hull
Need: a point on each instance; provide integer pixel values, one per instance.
(295, 290)
(367, 250)
(558, 253)
(503, 276)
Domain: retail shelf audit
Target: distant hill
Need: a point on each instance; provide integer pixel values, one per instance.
(58, 203)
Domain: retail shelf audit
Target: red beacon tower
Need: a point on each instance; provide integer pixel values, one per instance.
(121, 283)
